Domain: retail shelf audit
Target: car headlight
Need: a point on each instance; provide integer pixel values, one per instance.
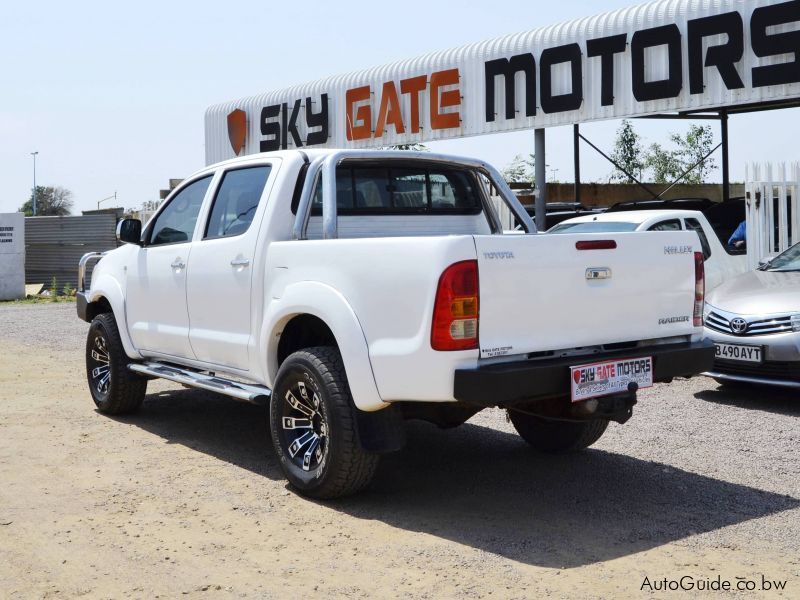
(795, 322)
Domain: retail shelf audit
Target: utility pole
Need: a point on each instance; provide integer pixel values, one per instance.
(33, 154)
(104, 199)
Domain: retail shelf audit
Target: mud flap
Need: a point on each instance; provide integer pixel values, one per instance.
(382, 431)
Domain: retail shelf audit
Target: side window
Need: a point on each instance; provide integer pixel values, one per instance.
(236, 201)
(671, 225)
(694, 225)
(176, 222)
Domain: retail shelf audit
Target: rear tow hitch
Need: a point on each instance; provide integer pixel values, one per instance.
(618, 408)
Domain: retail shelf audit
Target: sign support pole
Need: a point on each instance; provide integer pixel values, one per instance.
(540, 164)
(576, 149)
(726, 184)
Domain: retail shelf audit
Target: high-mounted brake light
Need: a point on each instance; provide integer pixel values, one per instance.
(596, 245)
(456, 310)
(699, 289)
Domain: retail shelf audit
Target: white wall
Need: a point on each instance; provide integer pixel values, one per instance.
(12, 256)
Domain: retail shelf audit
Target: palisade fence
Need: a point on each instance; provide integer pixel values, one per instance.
(54, 245)
(773, 218)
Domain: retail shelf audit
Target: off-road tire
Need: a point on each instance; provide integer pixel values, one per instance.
(344, 467)
(123, 392)
(557, 437)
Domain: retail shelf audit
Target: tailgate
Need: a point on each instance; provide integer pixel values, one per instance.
(539, 292)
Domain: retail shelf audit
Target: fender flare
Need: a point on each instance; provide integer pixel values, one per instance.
(107, 287)
(333, 309)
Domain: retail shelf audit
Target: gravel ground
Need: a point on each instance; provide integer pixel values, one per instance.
(186, 497)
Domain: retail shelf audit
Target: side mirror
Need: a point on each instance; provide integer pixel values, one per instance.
(765, 262)
(129, 231)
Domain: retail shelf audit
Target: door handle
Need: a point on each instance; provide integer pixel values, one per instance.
(240, 262)
(178, 264)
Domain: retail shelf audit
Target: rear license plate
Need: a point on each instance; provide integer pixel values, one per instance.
(740, 353)
(610, 377)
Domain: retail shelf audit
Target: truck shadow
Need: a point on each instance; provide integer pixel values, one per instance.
(486, 489)
(755, 397)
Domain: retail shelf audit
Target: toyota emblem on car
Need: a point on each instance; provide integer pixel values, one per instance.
(738, 325)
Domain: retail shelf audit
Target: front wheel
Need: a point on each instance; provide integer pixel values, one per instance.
(313, 425)
(115, 390)
(556, 437)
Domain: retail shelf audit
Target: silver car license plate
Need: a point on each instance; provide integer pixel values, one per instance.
(739, 352)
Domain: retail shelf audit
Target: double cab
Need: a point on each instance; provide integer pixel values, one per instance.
(349, 291)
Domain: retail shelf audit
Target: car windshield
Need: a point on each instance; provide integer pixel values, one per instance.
(593, 227)
(788, 261)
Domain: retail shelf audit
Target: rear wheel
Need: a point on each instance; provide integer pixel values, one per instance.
(115, 390)
(313, 426)
(550, 436)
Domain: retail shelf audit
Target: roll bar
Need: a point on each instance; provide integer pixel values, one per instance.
(325, 167)
(82, 267)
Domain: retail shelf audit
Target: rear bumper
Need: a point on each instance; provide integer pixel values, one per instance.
(517, 382)
(755, 379)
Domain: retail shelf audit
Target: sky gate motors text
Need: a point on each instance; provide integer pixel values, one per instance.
(710, 47)
(723, 56)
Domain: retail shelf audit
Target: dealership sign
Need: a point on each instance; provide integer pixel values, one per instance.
(665, 56)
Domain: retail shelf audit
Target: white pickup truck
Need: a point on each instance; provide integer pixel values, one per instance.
(350, 290)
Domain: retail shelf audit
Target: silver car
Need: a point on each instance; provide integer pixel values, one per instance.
(754, 321)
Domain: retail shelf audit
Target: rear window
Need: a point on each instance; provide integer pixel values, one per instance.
(670, 225)
(401, 190)
(593, 227)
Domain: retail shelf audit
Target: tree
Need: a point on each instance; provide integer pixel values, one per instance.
(695, 145)
(520, 170)
(415, 147)
(628, 154)
(669, 164)
(50, 201)
(665, 164)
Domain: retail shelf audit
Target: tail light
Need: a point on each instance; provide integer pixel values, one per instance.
(455, 313)
(699, 289)
(596, 245)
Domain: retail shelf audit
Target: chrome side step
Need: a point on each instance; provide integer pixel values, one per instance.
(257, 394)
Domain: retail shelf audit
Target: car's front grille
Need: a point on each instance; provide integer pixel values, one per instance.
(772, 369)
(755, 325)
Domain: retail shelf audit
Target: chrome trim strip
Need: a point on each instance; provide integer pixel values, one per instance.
(720, 321)
(82, 264)
(750, 379)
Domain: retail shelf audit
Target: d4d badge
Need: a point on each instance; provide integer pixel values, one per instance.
(237, 129)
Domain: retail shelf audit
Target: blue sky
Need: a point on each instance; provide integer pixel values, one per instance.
(112, 95)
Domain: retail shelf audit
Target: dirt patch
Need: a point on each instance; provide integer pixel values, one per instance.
(186, 497)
